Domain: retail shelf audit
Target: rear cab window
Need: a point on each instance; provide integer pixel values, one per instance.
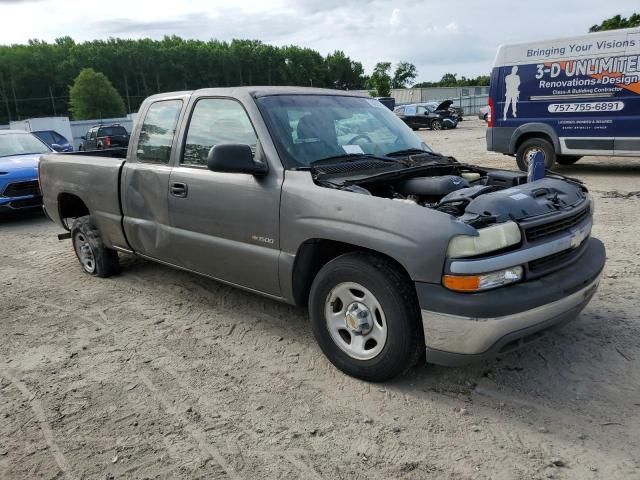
(111, 131)
(158, 131)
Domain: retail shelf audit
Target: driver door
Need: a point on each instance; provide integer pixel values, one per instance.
(224, 225)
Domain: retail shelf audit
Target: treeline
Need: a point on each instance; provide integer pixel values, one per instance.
(35, 78)
(452, 80)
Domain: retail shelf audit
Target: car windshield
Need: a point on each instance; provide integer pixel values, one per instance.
(20, 144)
(309, 128)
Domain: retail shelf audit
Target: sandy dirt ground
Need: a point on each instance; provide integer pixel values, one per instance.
(160, 374)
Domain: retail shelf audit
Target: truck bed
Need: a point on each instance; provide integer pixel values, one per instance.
(94, 179)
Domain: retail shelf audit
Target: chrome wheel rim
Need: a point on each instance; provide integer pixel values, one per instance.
(437, 126)
(355, 320)
(85, 253)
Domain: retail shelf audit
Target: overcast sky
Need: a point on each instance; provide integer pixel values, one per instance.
(438, 36)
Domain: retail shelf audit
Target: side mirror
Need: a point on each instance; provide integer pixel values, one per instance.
(83, 137)
(234, 158)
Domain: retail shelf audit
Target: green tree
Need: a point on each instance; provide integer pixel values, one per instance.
(404, 74)
(35, 78)
(93, 96)
(617, 22)
(380, 80)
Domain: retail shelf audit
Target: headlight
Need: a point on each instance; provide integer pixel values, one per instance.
(491, 238)
(485, 281)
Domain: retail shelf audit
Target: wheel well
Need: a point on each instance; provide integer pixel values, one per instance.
(71, 206)
(529, 135)
(314, 254)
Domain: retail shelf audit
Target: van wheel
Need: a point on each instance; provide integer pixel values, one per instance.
(567, 159)
(530, 147)
(95, 259)
(365, 317)
(436, 125)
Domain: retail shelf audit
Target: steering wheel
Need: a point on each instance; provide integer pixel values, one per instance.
(363, 136)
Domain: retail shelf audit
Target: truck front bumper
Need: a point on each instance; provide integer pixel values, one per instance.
(462, 328)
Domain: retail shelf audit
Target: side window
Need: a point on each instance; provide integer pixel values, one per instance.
(216, 121)
(157, 132)
(421, 110)
(400, 111)
(92, 134)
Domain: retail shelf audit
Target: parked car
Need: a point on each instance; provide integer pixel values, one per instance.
(19, 155)
(56, 141)
(432, 115)
(105, 136)
(326, 199)
(458, 110)
(483, 113)
(563, 102)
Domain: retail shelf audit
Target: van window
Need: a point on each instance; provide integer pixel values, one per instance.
(158, 131)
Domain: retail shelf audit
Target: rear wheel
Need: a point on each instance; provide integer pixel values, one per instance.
(530, 147)
(567, 159)
(95, 259)
(436, 125)
(365, 317)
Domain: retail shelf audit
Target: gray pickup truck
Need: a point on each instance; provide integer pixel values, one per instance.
(327, 199)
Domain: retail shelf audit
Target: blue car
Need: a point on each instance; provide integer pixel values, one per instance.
(19, 156)
(54, 140)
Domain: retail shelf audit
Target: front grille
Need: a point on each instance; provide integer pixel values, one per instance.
(546, 229)
(544, 263)
(555, 261)
(21, 189)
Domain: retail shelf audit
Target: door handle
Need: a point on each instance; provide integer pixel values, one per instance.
(178, 189)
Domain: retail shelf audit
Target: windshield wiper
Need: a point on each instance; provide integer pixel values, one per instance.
(350, 157)
(408, 151)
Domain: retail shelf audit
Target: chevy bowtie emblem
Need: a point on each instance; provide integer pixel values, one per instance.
(578, 237)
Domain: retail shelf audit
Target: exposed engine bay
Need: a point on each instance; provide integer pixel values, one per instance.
(478, 196)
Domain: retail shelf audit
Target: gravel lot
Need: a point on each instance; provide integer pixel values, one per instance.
(161, 374)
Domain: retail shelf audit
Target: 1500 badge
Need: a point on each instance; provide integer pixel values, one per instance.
(257, 238)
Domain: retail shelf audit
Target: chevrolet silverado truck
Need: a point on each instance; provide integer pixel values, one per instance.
(328, 200)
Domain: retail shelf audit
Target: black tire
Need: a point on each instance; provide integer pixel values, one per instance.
(436, 125)
(567, 159)
(528, 147)
(95, 259)
(485, 117)
(404, 343)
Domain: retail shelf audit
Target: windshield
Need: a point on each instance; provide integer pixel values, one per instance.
(20, 144)
(308, 128)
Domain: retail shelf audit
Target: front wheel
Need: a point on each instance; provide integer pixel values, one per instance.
(95, 259)
(436, 125)
(529, 148)
(365, 317)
